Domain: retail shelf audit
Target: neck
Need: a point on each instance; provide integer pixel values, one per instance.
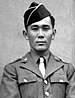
(41, 53)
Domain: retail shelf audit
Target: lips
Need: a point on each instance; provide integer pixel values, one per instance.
(40, 42)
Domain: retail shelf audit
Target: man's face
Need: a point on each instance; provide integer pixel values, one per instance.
(40, 35)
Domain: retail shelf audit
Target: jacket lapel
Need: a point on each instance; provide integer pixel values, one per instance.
(29, 64)
(52, 66)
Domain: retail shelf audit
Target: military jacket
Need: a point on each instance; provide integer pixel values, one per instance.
(22, 79)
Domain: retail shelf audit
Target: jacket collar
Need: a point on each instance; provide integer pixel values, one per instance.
(29, 64)
(53, 65)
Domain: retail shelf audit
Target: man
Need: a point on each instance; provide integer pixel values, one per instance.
(24, 78)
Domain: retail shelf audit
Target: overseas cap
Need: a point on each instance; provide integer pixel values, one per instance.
(34, 13)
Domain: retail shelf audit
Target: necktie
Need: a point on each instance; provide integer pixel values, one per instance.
(42, 66)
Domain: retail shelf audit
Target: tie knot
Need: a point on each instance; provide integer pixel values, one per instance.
(41, 60)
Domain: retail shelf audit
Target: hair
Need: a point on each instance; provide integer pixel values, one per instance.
(52, 21)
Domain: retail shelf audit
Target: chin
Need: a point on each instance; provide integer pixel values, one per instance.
(42, 49)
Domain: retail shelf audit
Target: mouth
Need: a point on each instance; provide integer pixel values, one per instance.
(41, 42)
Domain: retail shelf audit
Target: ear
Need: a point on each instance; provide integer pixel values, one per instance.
(54, 33)
(25, 34)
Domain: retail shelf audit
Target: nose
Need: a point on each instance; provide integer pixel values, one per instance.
(41, 34)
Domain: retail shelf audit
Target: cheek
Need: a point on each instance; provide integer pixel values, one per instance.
(31, 39)
(31, 35)
(49, 38)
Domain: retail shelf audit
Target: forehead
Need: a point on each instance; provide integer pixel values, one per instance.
(44, 21)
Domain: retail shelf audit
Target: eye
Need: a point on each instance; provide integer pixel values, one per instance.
(34, 28)
(46, 27)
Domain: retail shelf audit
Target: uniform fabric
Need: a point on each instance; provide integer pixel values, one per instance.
(22, 79)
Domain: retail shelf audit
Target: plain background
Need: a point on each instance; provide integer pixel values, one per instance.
(12, 43)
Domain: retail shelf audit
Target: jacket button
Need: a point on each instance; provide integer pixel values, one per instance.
(25, 59)
(47, 94)
(60, 80)
(25, 80)
(45, 81)
(20, 57)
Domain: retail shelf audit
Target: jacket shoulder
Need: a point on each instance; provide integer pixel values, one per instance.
(15, 61)
(13, 64)
(68, 67)
(57, 59)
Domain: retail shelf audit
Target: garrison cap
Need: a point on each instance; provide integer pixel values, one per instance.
(35, 13)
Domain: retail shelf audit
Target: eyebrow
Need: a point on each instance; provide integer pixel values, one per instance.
(45, 25)
(34, 25)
